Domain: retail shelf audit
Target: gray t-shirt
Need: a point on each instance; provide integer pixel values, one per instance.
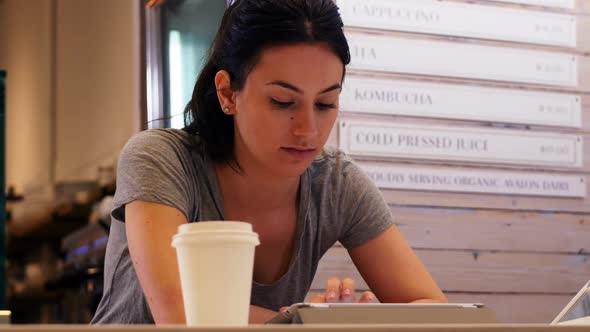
(337, 202)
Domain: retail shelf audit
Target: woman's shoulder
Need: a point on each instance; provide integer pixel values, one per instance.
(158, 137)
(172, 147)
(163, 143)
(157, 165)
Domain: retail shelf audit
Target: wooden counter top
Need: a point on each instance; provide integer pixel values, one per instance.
(307, 328)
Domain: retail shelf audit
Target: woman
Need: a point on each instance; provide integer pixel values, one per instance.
(252, 150)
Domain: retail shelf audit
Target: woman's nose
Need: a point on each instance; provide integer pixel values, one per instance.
(305, 123)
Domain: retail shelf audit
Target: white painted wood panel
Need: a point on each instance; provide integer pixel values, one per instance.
(508, 249)
(459, 19)
(364, 138)
(423, 99)
(493, 230)
(481, 201)
(478, 271)
(441, 58)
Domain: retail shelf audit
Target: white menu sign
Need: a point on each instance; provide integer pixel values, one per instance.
(485, 182)
(384, 96)
(458, 19)
(457, 143)
(413, 56)
(569, 4)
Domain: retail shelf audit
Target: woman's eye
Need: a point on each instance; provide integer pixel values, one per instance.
(281, 104)
(323, 106)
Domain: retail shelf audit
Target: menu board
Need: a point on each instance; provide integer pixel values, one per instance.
(460, 19)
(476, 181)
(450, 101)
(568, 4)
(378, 139)
(441, 58)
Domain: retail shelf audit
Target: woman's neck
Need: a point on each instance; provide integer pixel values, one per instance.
(254, 191)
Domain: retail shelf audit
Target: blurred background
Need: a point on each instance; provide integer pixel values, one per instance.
(495, 204)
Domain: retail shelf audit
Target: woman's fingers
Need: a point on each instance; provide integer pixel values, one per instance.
(368, 297)
(283, 309)
(344, 292)
(347, 294)
(333, 290)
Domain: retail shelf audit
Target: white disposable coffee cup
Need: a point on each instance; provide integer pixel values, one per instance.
(216, 261)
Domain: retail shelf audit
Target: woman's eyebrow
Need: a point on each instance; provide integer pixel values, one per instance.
(291, 87)
(336, 86)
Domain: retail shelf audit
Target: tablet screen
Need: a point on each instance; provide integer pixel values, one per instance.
(580, 309)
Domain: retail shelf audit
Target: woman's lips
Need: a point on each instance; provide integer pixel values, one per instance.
(300, 153)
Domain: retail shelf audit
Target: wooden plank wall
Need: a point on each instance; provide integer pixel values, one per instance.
(523, 255)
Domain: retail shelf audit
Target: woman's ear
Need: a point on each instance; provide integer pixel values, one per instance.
(225, 94)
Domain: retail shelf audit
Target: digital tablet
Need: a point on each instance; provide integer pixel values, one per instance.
(577, 309)
(385, 313)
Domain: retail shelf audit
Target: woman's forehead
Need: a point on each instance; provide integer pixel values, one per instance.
(299, 62)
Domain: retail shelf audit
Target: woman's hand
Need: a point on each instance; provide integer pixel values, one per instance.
(341, 291)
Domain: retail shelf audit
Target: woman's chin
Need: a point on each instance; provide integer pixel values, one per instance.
(292, 169)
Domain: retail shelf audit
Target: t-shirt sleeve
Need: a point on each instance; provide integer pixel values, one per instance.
(363, 210)
(151, 168)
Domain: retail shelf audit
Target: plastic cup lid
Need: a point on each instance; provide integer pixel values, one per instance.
(207, 226)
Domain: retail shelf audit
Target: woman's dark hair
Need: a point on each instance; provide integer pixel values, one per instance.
(247, 28)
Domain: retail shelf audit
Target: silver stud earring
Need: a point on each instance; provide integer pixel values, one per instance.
(226, 110)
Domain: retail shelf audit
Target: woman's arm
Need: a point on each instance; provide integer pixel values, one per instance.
(259, 315)
(150, 227)
(393, 271)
